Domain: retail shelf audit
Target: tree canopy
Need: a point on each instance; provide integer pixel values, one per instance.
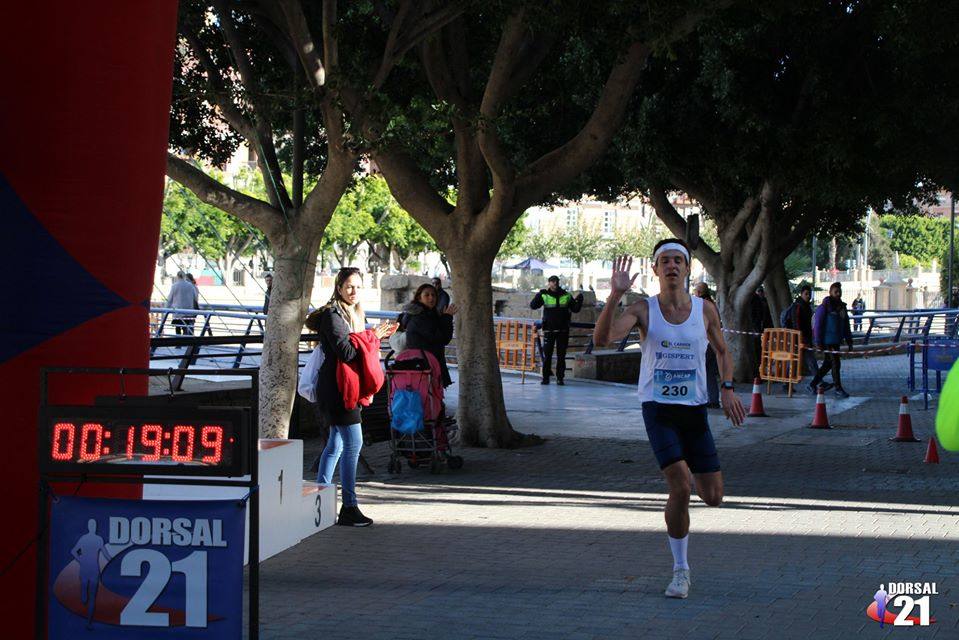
(780, 120)
(919, 236)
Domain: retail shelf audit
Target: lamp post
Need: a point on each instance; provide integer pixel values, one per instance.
(952, 246)
(814, 265)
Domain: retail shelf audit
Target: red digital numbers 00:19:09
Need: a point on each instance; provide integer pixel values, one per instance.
(92, 441)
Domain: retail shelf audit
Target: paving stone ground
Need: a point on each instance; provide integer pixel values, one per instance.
(566, 540)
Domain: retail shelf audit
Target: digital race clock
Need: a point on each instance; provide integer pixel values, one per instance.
(145, 439)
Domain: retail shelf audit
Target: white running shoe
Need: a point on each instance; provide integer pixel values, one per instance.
(679, 587)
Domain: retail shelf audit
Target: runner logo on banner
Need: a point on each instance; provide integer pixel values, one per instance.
(146, 569)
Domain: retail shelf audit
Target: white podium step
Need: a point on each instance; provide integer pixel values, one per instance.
(291, 509)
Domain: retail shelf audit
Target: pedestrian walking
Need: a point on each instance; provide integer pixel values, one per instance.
(183, 295)
(191, 320)
(858, 307)
(798, 316)
(442, 296)
(268, 279)
(675, 329)
(830, 328)
(558, 306)
(760, 319)
(701, 290)
(341, 325)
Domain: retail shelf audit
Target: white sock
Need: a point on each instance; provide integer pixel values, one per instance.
(678, 547)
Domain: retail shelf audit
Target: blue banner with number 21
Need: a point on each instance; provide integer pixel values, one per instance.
(146, 569)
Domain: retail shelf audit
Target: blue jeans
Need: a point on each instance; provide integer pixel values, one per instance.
(345, 440)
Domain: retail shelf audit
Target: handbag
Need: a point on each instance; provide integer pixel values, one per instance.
(310, 373)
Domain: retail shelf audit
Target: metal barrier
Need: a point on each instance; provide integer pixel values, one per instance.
(905, 326)
(221, 333)
(516, 343)
(223, 341)
(781, 355)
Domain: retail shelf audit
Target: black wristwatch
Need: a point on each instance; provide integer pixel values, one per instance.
(728, 384)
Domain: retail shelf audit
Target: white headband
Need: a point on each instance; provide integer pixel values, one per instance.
(671, 246)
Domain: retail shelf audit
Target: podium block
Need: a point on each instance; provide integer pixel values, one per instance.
(318, 510)
(291, 508)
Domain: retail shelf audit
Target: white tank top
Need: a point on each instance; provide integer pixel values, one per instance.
(673, 369)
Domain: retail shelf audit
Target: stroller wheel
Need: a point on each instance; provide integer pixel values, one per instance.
(455, 462)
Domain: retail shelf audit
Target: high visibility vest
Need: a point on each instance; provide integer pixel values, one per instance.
(551, 302)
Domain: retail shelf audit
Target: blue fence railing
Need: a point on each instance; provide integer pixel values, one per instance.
(226, 336)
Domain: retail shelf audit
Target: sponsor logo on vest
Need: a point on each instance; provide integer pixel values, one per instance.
(675, 356)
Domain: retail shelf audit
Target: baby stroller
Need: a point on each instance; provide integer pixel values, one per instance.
(419, 371)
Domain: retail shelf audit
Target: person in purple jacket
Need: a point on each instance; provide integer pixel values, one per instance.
(830, 328)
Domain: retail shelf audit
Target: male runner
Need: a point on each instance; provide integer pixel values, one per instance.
(87, 553)
(675, 329)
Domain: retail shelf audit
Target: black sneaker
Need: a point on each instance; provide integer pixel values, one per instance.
(559, 381)
(352, 517)
(544, 381)
(841, 393)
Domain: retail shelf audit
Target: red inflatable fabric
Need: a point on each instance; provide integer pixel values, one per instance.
(84, 124)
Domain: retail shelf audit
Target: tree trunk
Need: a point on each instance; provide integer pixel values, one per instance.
(736, 318)
(482, 411)
(294, 267)
(777, 290)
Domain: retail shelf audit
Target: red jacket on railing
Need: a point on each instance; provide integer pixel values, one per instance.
(360, 379)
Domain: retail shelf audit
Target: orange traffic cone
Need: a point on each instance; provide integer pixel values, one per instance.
(904, 431)
(932, 452)
(756, 409)
(819, 419)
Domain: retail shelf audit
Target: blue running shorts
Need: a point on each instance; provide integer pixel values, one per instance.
(681, 432)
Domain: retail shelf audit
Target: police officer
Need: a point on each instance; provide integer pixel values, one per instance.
(558, 307)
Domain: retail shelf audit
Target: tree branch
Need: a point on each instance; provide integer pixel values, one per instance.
(505, 60)
(738, 223)
(231, 113)
(561, 165)
(319, 205)
(759, 242)
(388, 60)
(439, 61)
(340, 159)
(799, 231)
(666, 212)
(427, 25)
(256, 212)
(412, 190)
(331, 48)
(557, 167)
(266, 156)
(306, 51)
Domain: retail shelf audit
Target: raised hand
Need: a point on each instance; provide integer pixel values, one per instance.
(451, 309)
(621, 282)
(384, 330)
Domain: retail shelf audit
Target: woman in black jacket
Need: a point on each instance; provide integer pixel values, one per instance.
(335, 321)
(428, 330)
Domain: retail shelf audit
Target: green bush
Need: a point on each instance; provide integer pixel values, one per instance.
(907, 261)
